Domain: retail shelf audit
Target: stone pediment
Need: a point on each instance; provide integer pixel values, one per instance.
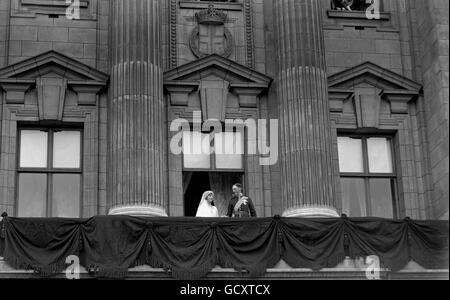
(213, 78)
(374, 75)
(51, 74)
(368, 84)
(52, 64)
(219, 67)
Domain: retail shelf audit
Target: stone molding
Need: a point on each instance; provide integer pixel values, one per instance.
(138, 211)
(311, 212)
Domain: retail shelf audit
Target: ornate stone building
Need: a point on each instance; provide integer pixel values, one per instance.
(360, 95)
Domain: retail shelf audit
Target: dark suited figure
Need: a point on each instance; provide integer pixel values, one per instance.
(240, 206)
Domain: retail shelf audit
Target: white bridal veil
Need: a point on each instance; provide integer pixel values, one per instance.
(206, 210)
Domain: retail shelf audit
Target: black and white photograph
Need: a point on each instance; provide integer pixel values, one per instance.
(224, 147)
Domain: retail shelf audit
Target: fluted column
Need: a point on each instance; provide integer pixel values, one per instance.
(306, 158)
(138, 173)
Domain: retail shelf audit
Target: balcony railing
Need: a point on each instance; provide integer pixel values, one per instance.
(192, 248)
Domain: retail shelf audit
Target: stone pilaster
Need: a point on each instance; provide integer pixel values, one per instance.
(4, 32)
(306, 153)
(137, 113)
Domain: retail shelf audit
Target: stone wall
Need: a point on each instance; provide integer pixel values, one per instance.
(32, 32)
(430, 20)
(410, 38)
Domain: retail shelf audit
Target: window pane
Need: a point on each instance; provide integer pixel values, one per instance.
(229, 149)
(196, 149)
(380, 156)
(32, 195)
(66, 149)
(381, 198)
(353, 197)
(66, 196)
(33, 149)
(350, 155)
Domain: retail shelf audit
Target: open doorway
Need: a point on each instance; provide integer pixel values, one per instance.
(196, 183)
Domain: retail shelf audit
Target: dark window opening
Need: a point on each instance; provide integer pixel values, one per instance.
(196, 183)
(352, 5)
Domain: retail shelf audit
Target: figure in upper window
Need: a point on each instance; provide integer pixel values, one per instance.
(350, 5)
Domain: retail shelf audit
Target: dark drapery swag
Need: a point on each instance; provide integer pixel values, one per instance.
(188, 248)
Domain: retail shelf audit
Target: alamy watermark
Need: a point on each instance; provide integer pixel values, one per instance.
(372, 267)
(73, 10)
(373, 11)
(260, 137)
(73, 270)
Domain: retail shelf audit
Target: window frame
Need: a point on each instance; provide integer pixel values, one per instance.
(367, 176)
(49, 171)
(212, 156)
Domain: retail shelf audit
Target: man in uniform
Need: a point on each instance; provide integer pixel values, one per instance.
(240, 206)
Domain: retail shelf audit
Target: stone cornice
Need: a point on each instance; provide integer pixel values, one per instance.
(231, 68)
(21, 69)
(385, 79)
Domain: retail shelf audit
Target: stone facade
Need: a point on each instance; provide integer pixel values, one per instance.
(119, 55)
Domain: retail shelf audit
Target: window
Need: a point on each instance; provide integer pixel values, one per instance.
(362, 11)
(213, 151)
(211, 161)
(49, 173)
(368, 180)
(352, 5)
(49, 7)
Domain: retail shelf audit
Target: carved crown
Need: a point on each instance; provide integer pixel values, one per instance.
(211, 15)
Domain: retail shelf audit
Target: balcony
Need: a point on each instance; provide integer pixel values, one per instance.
(224, 249)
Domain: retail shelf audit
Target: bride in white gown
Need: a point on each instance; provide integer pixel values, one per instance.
(206, 209)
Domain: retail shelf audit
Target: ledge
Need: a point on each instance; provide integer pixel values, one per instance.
(281, 272)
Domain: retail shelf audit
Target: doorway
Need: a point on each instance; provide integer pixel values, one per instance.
(196, 183)
(199, 183)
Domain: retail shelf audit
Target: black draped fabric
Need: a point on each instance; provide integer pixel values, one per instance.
(40, 244)
(188, 248)
(112, 245)
(250, 245)
(313, 244)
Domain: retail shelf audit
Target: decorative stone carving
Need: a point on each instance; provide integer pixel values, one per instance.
(173, 33)
(51, 97)
(367, 108)
(15, 90)
(399, 100)
(87, 93)
(213, 97)
(248, 94)
(179, 92)
(211, 16)
(248, 11)
(211, 36)
(368, 85)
